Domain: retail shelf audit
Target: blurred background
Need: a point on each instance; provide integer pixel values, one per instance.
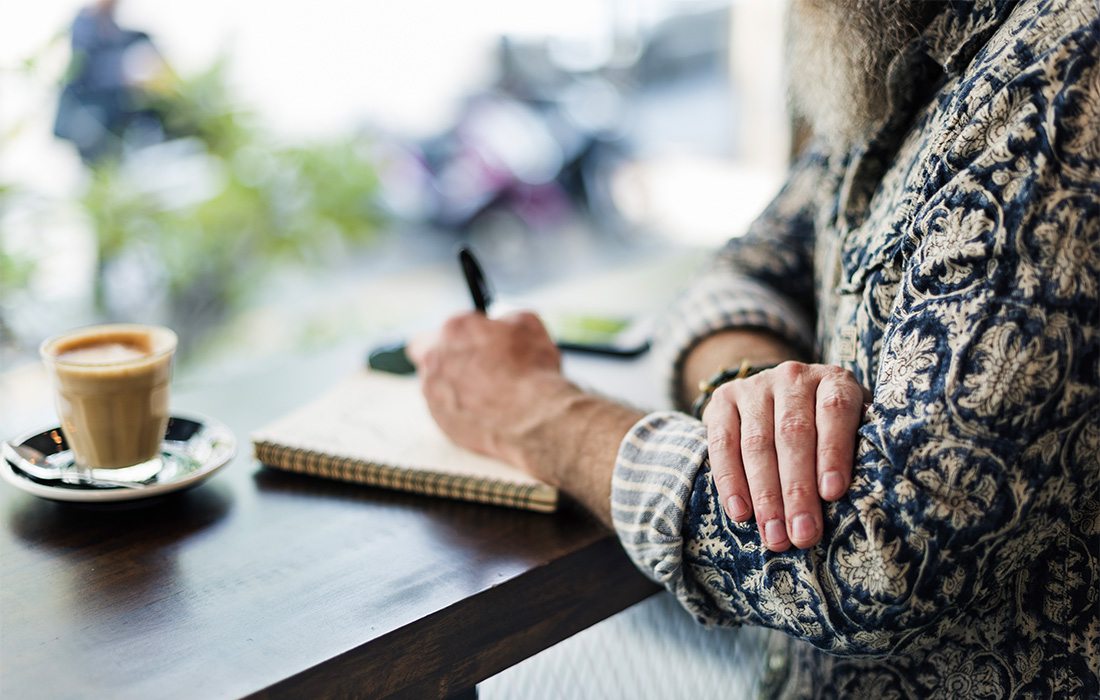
(268, 178)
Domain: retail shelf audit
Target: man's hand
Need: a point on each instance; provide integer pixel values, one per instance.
(781, 440)
(495, 387)
(489, 382)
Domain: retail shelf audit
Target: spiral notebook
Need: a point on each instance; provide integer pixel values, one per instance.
(374, 429)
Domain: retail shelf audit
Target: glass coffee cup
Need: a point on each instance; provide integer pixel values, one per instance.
(111, 385)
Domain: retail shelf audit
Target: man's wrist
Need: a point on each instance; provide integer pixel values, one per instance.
(726, 349)
(548, 398)
(573, 443)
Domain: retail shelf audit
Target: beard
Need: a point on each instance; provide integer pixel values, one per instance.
(839, 54)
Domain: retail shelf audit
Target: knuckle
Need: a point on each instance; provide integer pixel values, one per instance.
(726, 393)
(791, 371)
(456, 325)
(529, 319)
(799, 490)
(718, 438)
(523, 321)
(756, 443)
(516, 318)
(839, 401)
(752, 385)
(796, 426)
(767, 503)
(835, 372)
(452, 326)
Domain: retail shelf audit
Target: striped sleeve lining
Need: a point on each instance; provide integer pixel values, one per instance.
(723, 300)
(652, 483)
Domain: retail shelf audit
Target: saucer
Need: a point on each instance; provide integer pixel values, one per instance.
(194, 448)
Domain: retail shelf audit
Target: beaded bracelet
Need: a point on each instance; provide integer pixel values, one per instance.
(729, 374)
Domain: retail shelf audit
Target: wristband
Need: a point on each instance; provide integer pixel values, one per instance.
(729, 374)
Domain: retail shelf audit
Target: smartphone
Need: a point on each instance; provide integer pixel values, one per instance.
(617, 336)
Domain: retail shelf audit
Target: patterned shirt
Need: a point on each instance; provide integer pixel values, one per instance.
(952, 263)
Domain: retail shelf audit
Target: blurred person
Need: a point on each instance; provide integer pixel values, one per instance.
(912, 492)
(103, 102)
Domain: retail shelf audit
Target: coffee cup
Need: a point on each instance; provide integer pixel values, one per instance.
(111, 385)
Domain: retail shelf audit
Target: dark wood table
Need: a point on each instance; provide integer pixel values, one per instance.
(267, 584)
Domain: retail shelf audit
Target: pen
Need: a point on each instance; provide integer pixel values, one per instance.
(392, 356)
(475, 279)
(479, 291)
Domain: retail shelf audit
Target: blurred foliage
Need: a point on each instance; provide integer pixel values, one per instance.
(229, 205)
(201, 105)
(15, 270)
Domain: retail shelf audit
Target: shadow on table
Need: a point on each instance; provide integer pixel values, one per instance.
(117, 564)
(490, 529)
(158, 522)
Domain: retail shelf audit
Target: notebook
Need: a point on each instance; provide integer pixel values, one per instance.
(374, 428)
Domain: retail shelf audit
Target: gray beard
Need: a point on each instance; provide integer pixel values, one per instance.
(838, 54)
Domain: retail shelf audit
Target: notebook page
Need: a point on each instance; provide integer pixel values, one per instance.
(382, 418)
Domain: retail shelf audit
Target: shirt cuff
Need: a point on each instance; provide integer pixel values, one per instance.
(650, 489)
(724, 300)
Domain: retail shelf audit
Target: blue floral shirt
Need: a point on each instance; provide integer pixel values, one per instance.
(952, 262)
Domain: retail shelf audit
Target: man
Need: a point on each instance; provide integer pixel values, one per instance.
(948, 217)
(104, 100)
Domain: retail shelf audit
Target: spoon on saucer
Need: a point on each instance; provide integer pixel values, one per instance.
(29, 461)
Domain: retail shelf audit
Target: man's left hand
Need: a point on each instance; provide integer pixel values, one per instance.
(779, 442)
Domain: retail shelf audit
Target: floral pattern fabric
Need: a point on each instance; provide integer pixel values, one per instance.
(952, 262)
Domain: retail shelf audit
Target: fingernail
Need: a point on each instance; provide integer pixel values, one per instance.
(737, 507)
(774, 532)
(803, 527)
(832, 486)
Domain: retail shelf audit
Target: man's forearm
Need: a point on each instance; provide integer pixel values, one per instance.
(575, 447)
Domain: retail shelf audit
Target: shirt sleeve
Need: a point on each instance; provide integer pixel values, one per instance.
(984, 431)
(762, 280)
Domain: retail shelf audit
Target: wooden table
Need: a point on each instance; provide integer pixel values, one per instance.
(267, 584)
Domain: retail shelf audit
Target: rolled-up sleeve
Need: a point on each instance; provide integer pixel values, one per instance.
(652, 485)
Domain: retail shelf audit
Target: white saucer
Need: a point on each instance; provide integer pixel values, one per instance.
(194, 448)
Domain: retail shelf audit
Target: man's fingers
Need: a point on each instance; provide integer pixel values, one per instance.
(795, 443)
(462, 324)
(724, 449)
(838, 415)
(761, 470)
(524, 319)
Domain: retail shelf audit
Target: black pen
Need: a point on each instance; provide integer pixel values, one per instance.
(392, 356)
(475, 279)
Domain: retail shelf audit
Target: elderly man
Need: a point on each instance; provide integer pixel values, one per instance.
(928, 282)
